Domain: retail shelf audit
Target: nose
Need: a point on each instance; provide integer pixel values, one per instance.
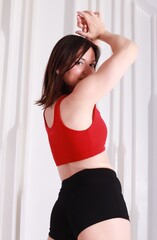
(88, 70)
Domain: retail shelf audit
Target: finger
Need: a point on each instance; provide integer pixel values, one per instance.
(82, 20)
(84, 30)
(92, 13)
(97, 13)
(84, 14)
(89, 12)
(79, 22)
(83, 34)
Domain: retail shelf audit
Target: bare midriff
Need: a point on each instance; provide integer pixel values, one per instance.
(100, 160)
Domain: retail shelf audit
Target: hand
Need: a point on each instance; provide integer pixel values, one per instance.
(91, 24)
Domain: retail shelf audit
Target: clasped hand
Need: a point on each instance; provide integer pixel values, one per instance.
(91, 24)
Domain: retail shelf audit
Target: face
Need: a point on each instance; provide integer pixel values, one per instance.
(83, 67)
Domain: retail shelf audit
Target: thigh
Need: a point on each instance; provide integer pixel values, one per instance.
(49, 238)
(113, 229)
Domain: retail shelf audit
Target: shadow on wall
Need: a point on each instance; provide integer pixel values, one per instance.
(6, 32)
(10, 158)
(69, 17)
(12, 193)
(152, 137)
(152, 166)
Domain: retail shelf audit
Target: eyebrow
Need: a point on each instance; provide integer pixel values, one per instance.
(85, 60)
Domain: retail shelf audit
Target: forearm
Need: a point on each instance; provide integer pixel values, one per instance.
(93, 28)
(116, 42)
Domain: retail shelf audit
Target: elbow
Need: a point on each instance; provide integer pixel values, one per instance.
(133, 50)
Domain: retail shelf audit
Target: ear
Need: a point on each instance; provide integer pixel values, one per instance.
(57, 71)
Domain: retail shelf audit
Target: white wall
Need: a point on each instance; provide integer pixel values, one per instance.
(29, 182)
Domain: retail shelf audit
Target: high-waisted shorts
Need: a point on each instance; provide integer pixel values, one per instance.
(87, 197)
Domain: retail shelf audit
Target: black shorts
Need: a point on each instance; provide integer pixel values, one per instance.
(88, 197)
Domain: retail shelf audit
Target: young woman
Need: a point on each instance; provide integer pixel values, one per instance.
(90, 205)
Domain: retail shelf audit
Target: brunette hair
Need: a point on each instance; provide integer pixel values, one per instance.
(63, 57)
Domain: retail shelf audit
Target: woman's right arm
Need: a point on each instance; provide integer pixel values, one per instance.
(124, 52)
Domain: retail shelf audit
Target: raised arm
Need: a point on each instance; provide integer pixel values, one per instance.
(124, 52)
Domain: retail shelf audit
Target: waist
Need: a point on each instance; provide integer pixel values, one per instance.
(88, 176)
(100, 160)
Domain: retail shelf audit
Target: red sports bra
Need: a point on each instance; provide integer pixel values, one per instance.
(68, 145)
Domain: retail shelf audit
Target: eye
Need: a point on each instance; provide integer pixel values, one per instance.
(79, 62)
(93, 65)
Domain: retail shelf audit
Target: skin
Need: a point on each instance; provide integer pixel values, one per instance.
(82, 68)
(89, 86)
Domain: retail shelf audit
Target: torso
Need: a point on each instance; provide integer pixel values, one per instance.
(100, 160)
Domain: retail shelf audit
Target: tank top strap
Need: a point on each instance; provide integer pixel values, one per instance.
(57, 116)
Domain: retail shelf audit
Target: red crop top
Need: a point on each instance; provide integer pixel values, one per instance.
(68, 145)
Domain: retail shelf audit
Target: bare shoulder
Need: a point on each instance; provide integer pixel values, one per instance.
(84, 94)
(93, 88)
(74, 113)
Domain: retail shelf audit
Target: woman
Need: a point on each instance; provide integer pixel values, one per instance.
(90, 205)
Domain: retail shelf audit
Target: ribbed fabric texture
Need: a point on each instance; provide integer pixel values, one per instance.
(68, 145)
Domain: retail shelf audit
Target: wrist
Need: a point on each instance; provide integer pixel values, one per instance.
(104, 36)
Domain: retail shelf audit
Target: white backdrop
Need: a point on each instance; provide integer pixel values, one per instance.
(29, 181)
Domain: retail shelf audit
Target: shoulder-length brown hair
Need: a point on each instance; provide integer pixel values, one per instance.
(63, 57)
